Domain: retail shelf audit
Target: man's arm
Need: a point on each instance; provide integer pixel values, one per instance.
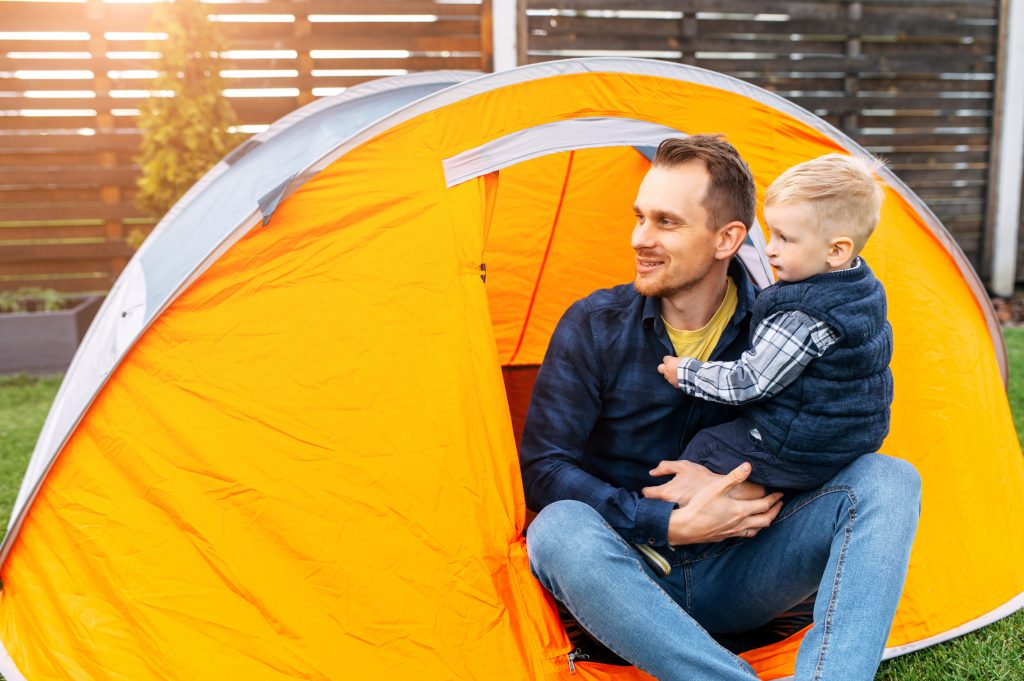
(782, 347)
(566, 404)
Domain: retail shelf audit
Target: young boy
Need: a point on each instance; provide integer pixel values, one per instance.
(815, 383)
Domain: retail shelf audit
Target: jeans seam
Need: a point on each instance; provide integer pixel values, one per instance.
(826, 631)
(687, 581)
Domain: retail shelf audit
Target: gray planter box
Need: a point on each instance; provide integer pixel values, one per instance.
(44, 342)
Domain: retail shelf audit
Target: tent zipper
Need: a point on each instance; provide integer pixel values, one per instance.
(576, 655)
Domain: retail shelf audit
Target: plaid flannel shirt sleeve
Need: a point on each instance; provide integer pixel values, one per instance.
(782, 347)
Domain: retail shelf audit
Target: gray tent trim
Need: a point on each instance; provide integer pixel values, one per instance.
(551, 138)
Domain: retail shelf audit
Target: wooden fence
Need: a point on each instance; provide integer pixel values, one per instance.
(69, 96)
(911, 80)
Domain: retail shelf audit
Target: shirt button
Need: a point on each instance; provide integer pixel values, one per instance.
(652, 541)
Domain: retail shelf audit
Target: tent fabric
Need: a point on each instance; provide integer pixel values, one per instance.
(304, 465)
(201, 225)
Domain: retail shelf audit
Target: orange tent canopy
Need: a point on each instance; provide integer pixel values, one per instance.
(297, 458)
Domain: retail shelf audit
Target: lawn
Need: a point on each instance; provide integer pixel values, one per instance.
(995, 653)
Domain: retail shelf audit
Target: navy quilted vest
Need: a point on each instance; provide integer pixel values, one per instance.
(838, 408)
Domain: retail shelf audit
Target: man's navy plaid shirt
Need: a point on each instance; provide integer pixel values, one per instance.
(601, 416)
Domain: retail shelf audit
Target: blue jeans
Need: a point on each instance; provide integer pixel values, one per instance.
(848, 540)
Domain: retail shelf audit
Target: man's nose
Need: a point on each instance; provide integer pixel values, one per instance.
(642, 237)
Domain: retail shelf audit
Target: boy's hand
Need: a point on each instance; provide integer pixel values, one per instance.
(669, 368)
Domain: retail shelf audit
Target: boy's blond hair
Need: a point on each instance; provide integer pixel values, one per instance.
(842, 189)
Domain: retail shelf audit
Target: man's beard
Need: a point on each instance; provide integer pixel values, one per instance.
(664, 287)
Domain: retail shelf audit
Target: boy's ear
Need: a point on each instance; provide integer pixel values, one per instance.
(840, 251)
(730, 238)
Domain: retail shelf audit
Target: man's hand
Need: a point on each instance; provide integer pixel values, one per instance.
(712, 515)
(689, 478)
(669, 368)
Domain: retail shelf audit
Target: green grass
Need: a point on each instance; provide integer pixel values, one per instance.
(24, 402)
(995, 653)
(1015, 360)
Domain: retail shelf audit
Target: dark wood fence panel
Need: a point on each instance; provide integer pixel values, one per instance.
(912, 81)
(73, 74)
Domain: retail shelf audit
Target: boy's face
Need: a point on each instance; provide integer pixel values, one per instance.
(797, 248)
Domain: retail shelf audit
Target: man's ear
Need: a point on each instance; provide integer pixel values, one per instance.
(840, 252)
(729, 239)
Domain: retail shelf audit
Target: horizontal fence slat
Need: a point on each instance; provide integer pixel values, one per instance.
(26, 236)
(11, 144)
(96, 282)
(72, 267)
(57, 252)
(73, 211)
(64, 176)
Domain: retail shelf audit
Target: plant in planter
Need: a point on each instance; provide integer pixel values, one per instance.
(40, 329)
(32, 299)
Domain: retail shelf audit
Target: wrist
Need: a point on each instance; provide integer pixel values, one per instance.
(678, 526)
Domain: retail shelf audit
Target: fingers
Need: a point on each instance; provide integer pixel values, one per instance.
(654, 493)
(664, 468)
(758, 521)
(735, 476)
(663, 370)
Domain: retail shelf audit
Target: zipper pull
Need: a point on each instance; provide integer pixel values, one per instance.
(576, 655)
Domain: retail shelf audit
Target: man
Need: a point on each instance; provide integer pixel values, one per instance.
(604, 429)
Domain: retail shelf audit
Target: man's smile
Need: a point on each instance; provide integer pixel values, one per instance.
(645, 265)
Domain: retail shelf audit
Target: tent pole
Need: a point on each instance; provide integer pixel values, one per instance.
(1010, 158)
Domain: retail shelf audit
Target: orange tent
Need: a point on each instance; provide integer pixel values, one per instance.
(286, 448)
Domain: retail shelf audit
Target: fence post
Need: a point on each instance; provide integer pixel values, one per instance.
(851, 80)
(302, 29)
(505, 18)
(110, 195)
(1007, 165)
(688, 32)
(522, 32)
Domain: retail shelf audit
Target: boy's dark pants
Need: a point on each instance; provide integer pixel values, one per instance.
(724, 447)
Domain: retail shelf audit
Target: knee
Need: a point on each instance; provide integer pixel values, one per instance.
(556, 537)
(892, 483)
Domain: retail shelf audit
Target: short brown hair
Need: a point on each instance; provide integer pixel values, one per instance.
(730, 195)
(842, 190)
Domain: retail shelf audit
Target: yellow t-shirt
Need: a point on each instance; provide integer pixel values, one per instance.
(701, 342)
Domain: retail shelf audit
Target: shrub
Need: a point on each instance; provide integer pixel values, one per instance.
(185, 134)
